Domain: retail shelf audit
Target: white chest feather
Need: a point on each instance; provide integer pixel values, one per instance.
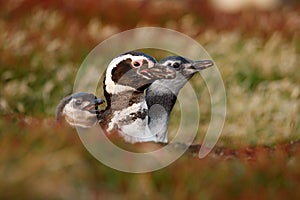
(132, 129)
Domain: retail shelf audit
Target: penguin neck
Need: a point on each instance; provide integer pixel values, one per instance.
(124, 100)
(116, 103)
(165, 92)
(161, 97)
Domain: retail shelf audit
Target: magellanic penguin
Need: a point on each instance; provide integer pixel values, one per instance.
(162, 94)
(127, 77)
(79, 109)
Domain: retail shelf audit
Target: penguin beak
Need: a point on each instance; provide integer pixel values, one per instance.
(201, 64)
(99, 101)
(93, 106)
(157, 71)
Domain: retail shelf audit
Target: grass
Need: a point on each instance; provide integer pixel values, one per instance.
(42, 45)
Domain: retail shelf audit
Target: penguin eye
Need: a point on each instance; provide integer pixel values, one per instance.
(136, 64)
(176, 65)
(78, 102)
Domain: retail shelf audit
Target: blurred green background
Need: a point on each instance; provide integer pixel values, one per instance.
(256, 45)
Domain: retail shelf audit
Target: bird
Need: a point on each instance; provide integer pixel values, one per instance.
(160, 97)
(127, 77)
(162, 94)
(79, 109)
(82, 110)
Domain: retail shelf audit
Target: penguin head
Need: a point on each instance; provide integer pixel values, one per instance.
(79, 109)
(134, 71)
(185, 66)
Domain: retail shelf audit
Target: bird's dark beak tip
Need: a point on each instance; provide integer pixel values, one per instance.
(93, 106)
(99, 101)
